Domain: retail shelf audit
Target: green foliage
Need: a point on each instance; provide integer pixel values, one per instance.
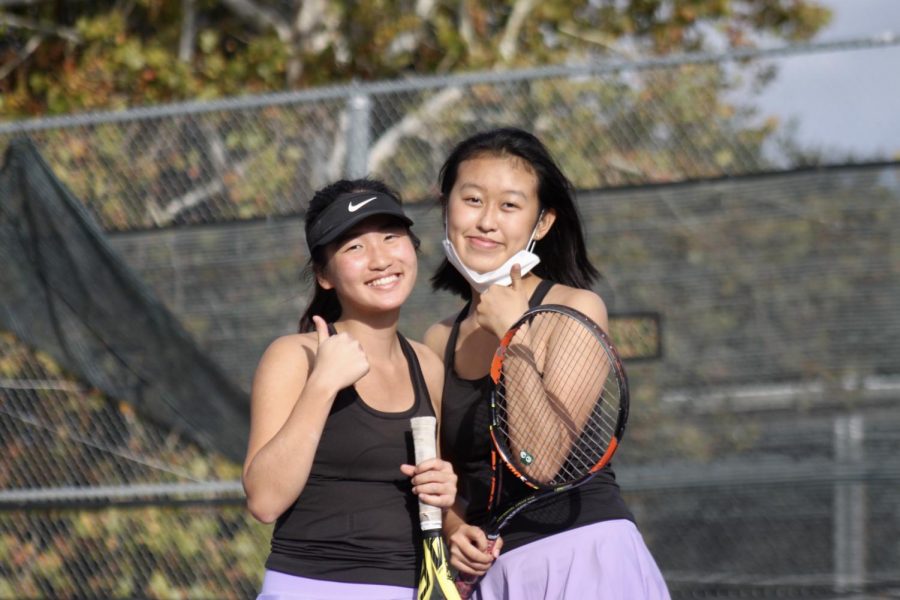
(132, 552)
(115, 55)
(71, 436)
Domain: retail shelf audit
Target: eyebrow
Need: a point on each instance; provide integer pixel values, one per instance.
(521, 194)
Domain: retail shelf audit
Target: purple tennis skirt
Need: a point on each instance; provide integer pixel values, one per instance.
(281, 586)
(606, 560)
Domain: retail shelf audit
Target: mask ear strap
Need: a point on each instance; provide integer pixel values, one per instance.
(531, 240)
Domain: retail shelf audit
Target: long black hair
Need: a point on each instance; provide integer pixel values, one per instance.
(324, 302)
(563, 254)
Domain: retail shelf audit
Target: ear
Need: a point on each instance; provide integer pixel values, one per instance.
(545, 223)
(322, 280)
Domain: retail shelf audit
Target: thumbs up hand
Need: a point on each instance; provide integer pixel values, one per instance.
(501, 306)
(340, 359)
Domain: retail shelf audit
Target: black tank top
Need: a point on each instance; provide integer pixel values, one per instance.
(356, 520)
(465, 442)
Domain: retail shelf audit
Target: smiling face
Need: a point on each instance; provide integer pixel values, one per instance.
(372, 268)
(492, 210)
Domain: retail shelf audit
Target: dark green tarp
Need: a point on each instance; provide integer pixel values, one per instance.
(64, 291)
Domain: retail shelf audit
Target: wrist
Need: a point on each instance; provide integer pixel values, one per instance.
(319, 387)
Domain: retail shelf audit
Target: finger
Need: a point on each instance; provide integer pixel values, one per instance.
(498, 545)
(464, 566)
(321, 328)
(433, 464)
(478, 559)
(479, 542)
(470, 556)
(515, 276)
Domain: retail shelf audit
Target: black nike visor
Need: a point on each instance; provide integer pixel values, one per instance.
(346, 211)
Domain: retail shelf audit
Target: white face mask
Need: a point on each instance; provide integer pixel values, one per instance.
(480, 282)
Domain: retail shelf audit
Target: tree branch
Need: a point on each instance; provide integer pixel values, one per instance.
(261, 17)
(509, 42)
(412, 123)
(188, 30)
(66, 33)
(466, 29)
(23, 55)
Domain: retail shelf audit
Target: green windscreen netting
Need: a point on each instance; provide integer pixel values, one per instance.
(65, 292)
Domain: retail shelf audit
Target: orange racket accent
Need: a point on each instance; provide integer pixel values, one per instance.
(497, 362)
(493, 479)
(613, 444)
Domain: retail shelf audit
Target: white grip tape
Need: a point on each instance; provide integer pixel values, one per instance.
(424, 432)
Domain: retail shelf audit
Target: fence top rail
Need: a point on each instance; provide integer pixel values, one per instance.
(121, 493)
(356, 88)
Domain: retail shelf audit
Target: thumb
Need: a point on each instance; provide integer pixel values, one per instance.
(321, 328)
(515, 276)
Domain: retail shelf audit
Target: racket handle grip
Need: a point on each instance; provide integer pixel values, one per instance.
(465, 583)
(424, 434)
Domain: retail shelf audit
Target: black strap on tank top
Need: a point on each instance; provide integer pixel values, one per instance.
(539, 292)
(450, 350)
(420, 389)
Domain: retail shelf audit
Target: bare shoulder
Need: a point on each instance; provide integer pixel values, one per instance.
(289, 351)
(292, 344)
(437, 335)
(428, 358)
(432, 371)
(585, 301)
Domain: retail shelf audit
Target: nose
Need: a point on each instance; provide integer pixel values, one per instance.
(487, 218)
(379, 257)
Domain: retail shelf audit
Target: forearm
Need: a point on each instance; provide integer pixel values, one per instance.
(277, 474)
(454, 517)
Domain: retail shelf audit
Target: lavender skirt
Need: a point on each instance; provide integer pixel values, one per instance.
(606, 560)
(281, 586)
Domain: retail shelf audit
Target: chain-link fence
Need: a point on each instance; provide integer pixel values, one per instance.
(610, 123)
(760, 457)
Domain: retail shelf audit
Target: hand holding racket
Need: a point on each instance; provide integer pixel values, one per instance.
(558, 409)
(435, 579)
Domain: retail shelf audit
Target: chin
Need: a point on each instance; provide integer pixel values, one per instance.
(481, 266)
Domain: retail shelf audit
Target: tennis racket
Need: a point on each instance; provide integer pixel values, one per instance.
(435, 579)
(558, 410)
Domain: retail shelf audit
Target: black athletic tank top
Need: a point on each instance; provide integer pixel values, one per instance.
(465, 442)
(356, 520)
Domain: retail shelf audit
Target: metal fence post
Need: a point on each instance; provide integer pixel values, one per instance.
(849, 530)
(359, 108)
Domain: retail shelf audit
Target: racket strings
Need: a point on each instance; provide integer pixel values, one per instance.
(561, 383)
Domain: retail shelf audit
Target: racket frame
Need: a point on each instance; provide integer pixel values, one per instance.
(499, 450)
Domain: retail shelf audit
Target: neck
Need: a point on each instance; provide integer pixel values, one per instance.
(376, 333)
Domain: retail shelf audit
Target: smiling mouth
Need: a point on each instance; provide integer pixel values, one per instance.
(483, 243)
(384, 281)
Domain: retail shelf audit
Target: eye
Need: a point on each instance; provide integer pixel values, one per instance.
(472, 200)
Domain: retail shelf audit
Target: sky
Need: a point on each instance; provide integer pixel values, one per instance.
(847, 101)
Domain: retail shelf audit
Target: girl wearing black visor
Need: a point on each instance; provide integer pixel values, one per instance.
(330, 459)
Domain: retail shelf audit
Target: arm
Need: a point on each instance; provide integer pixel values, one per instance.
(558, 389)
(293, 390)
(468, 544)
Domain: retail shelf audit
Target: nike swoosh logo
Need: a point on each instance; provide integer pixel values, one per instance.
(355, 207)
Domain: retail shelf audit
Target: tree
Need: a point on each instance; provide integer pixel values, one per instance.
(610, 130)
(59, 57)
